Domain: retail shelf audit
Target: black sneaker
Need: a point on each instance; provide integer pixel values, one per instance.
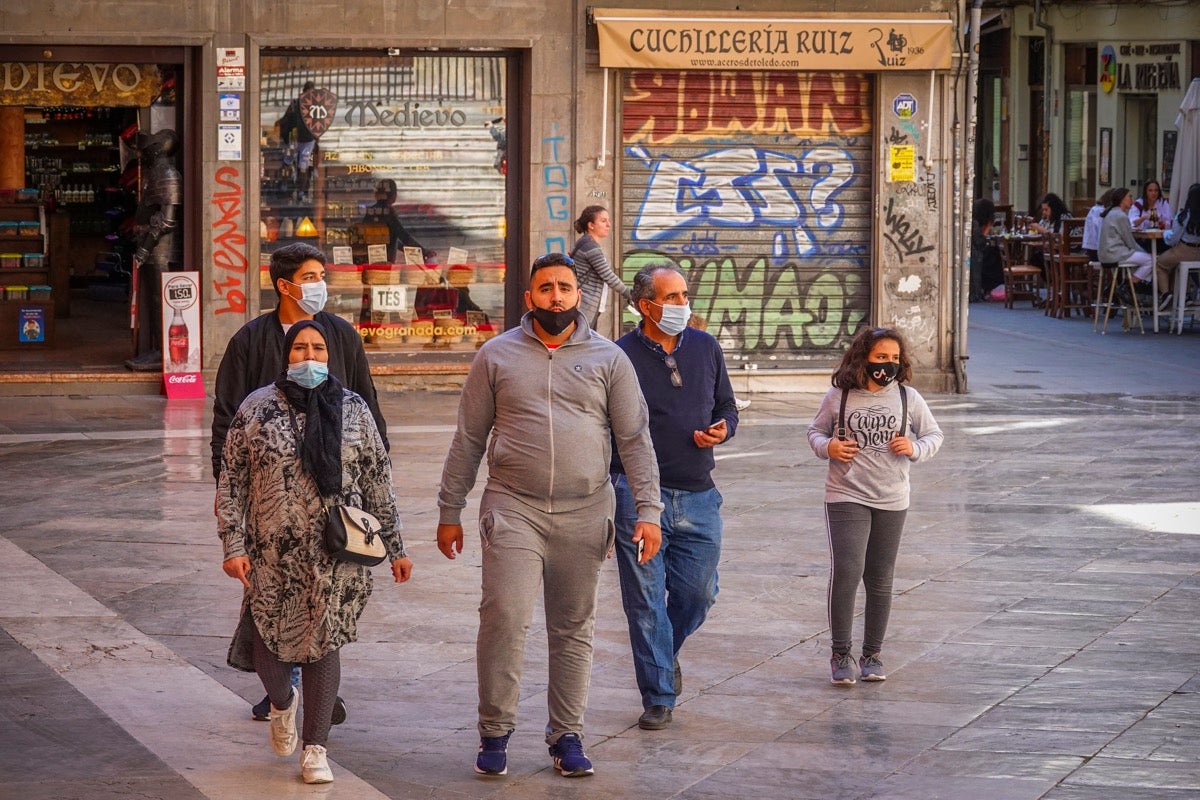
(1164, 302)
(339, 711)
(259, 711)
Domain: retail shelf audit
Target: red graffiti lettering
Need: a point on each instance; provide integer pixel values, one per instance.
(666, 106)
(229, 241)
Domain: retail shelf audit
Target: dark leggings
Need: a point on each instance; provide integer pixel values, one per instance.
(318, 679)
(863, 543)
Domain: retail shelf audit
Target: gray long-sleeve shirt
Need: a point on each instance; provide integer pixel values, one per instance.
(875, 477)
(594, 272)
(1116, 238)
(549, 414)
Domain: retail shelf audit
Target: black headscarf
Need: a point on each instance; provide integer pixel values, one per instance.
(321, 448)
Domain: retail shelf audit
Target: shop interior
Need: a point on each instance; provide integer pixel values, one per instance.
(68, 237)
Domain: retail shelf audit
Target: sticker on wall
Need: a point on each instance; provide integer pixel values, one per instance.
(231, 107)
(902, 163)
(229, 142)
(31, 324)
(231, 69)
(904, 106)
(1108, 68)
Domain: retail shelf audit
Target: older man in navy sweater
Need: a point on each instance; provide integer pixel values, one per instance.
(692, 409)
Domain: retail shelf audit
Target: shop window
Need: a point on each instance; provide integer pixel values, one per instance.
(395, 167)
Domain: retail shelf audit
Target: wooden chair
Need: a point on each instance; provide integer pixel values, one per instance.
(1021, 281)
(1072, 273)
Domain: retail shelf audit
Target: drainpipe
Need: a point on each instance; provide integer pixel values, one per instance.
(961, 353)
(1039, 19)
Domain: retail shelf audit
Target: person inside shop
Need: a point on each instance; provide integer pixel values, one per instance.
(295, 447)
(383, 212)
(159, 243)
(987, 270)
(305, 142)
(256, 355)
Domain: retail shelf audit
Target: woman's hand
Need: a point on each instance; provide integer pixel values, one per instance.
(901, 446)
(238, 567)
(402, 569)
(842, 449)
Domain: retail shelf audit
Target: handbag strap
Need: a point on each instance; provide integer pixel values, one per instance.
(841, 432)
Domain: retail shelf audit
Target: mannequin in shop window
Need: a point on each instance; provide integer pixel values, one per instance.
(158, 239)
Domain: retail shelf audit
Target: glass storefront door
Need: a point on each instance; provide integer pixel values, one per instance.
(394, 166)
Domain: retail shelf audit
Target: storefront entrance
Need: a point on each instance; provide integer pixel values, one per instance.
(75, 213)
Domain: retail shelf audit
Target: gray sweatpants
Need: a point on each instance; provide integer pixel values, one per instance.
(563, 552)
(863, 543)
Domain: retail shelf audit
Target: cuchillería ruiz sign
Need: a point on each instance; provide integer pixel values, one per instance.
(642, 39)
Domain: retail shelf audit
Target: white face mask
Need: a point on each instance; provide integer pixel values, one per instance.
(312, 296)
(674, 318)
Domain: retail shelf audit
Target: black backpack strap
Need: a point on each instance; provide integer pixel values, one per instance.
(903, 409)
(840, 432)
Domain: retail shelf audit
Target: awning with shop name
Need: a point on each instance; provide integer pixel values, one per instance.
(645, 39)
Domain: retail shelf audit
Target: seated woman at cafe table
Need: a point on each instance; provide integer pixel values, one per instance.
(1118, 246)
(1052, 209)
(1184, 238)
(1091, 226)
(1151, 210)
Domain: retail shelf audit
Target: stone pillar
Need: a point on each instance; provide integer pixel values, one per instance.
(12, 147)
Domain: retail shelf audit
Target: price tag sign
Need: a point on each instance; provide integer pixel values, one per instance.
(389, 297)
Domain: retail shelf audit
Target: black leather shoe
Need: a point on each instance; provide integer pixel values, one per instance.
(655, 718)
(339, 711)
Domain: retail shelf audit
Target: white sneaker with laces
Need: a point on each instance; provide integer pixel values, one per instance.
(283, 727)
(741, 404)
(314, 768)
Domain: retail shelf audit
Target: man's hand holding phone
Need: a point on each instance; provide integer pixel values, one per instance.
(711, 436)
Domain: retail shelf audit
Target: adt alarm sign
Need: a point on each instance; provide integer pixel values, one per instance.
(904, 106)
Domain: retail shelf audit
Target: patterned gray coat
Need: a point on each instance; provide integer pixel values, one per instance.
(303, 602)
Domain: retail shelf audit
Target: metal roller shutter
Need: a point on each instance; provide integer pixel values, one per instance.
(758, 186)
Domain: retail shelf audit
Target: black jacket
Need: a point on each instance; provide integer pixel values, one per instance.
(255, 358)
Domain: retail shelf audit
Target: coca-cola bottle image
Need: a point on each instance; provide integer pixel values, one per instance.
(177, 340)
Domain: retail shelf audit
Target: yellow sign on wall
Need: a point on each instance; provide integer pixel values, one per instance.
(40, 83)
(902, 163)
(644, 39)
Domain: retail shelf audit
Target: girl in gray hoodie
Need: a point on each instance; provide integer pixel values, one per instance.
(870, 427)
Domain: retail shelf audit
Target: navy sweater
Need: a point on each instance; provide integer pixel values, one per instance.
(705, 397)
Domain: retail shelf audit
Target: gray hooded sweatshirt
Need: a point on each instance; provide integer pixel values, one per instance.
(550, 413)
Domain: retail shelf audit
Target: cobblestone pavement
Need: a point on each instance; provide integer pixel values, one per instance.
(1042, 643)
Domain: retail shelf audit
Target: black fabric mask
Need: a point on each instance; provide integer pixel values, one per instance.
(554, 322)
(883, 372)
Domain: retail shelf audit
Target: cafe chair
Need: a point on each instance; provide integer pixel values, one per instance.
(1108, 277)
(1187, 300)
(1072, 275)
(1021, 281)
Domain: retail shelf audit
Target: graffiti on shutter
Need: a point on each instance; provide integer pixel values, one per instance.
(758, 187)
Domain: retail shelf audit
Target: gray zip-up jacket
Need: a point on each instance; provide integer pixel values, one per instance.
(549, 414)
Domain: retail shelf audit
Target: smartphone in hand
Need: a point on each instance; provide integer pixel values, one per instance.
(716, 428)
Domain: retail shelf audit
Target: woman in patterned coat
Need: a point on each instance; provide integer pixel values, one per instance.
(293, 447)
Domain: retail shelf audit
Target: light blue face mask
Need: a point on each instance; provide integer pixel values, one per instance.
(313, 296)
(309, 374)
(674, 318)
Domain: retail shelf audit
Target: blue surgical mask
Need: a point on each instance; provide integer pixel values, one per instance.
(312, 296)
(674, 318)
(309, 374)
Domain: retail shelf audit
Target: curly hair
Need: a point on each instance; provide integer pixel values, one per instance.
(852, 373)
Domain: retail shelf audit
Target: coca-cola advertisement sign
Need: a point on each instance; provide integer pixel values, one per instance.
(181, 335)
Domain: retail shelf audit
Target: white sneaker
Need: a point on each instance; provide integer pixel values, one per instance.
(283, 727)
(313, 766)
(741, 404)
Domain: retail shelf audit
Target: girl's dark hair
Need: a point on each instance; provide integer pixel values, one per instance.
(1191, 210)
(1058, 209)
(1114, 199)
(852, 374)
(588, 215)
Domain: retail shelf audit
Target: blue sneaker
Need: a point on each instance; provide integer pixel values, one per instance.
(493, 755)
(569, 758)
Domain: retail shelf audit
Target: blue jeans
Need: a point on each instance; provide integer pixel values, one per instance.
(667, 599)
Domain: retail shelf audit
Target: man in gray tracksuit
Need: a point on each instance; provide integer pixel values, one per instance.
(549, 393)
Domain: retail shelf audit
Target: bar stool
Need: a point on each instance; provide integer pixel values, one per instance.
(1125, 271)
(1183, 306)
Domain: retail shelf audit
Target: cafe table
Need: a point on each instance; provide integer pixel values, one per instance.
(1154, 235)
